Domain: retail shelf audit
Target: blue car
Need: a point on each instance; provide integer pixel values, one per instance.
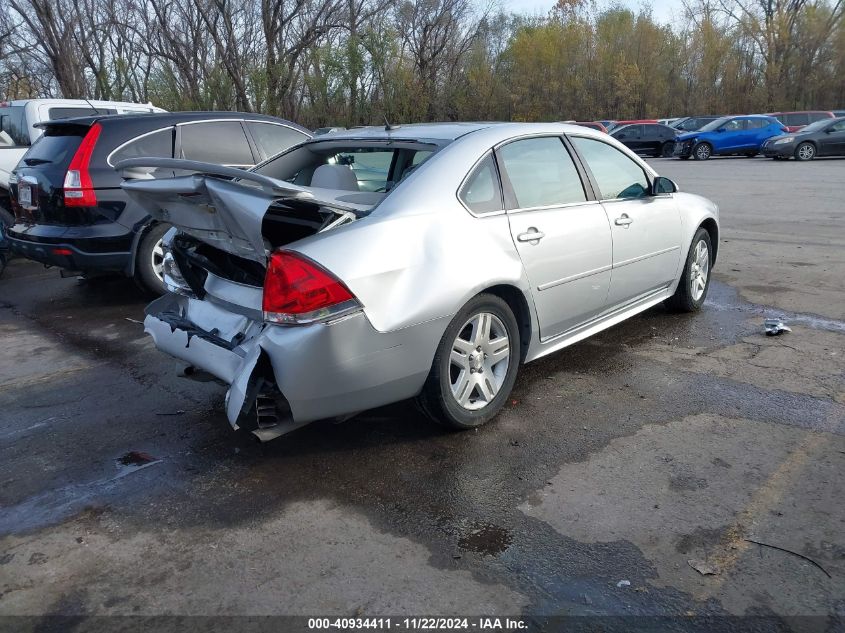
(728, 135)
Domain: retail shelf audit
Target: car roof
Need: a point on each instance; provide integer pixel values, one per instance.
(801, 112)
(167, 118)
(413, 131)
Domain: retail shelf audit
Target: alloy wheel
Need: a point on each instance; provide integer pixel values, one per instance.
(702, 152)
(478, 363)
(699, 270)
(806, 152)
(157, 260)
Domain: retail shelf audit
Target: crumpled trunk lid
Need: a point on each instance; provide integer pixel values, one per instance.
(226, 207)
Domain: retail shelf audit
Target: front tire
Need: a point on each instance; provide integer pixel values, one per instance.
(149, 259)
(805, 151)
(695, 280)
(666, 150)
(475, 365)
(702, 151)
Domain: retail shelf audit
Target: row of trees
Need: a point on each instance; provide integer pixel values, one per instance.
(347, 62)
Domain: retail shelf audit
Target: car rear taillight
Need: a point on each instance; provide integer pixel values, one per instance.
(78, 188)
(298, 291)
(784, 129)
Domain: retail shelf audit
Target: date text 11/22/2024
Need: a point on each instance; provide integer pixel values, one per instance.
(419, 624)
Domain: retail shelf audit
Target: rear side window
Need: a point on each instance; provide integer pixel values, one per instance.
(482, 191)
(273, 139)
(817, 116)
(219, 142)
(541, 173)
(155, 144)
(756, 124)
(617, 175)
(796, 118)
(13, 127)
(69, 113)
(56, 146)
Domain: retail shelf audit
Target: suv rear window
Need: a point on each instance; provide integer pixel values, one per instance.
(57, 145)
(797, 118)
(13, 128)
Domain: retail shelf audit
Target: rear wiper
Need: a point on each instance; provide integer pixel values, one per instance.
(36, 161)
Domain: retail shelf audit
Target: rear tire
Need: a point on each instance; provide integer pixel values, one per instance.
(148, 261)
(475, 365)
(702, 151)
(805, 151)
(695, 280)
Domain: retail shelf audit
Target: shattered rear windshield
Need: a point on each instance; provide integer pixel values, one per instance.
(366, 166)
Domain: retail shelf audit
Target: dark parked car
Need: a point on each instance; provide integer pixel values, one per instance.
(70, 209)
(794, 121)
(693, 123)
(822, 138)
(647, 138)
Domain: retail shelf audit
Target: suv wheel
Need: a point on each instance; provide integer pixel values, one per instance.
(149, 258)
(702, 151)
(475, 365)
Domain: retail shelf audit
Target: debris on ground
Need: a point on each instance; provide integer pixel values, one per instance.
(623, 583)
(704, 568)
(134, 321)
(789, 551)
(774, 327)
(136, 458)
(177, 412)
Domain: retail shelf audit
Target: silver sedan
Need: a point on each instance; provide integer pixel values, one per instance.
(373, 265)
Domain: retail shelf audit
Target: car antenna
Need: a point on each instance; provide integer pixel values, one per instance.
(91, 105)
(387, 126)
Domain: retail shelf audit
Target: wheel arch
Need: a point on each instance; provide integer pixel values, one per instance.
(712, 228)
(142, 229)
(521, 309)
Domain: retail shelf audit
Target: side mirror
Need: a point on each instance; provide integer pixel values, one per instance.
(663, 185)
(622, 136)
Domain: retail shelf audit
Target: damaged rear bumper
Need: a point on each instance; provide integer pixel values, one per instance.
(321, 370)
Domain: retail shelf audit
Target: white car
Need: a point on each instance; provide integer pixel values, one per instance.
(17, 131)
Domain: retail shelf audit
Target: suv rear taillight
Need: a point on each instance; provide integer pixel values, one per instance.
(299, 291)
(78, 188)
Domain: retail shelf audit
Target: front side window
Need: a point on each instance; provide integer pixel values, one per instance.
(838, 127)
(219, 142)
(617, 175)
(482, 191)
(734, 125)
(13, 127)
(541, 173)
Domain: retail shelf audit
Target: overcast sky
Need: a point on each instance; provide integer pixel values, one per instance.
(664, 10)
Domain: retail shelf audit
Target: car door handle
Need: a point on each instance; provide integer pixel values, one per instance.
(623, 221)
(531, 235)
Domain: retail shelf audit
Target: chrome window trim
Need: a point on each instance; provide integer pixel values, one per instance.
(566, 205)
